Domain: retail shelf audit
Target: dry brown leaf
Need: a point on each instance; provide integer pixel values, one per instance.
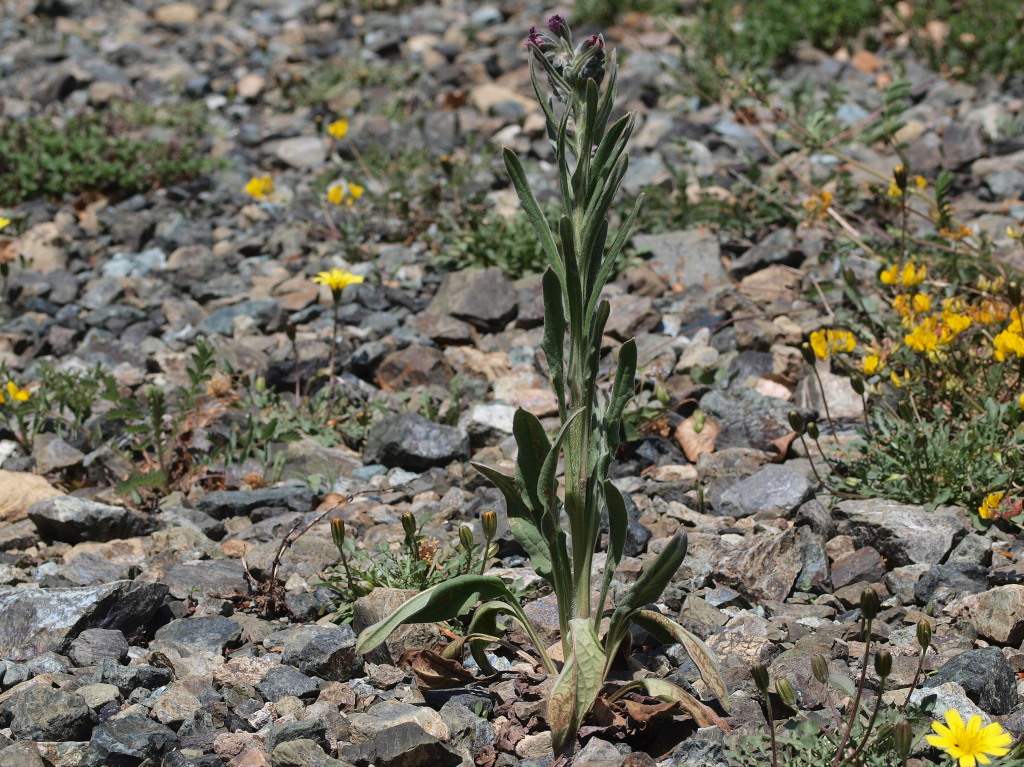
(781, 446)
(435, 672)
(696, 443)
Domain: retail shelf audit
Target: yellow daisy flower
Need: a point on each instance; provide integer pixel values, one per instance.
(16, 394)
(260, 187)
(969, 744)
(338, 129)
(337, 279)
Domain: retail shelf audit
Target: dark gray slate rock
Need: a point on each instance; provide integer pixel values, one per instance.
(467, 728)
(21, 755)
(324, 651)
(128, 741)
(306, 729)
(864, 564)
(302, 753)
(33, 621)
(902, 533)
(778, 247)
(404, 745)
(73, 520)
(690, 258)
(237, 503)
(222, 578)
(986, 677)
(410, 441)
(43, 713)
(747, 418)
(206, 634)
(483, 297)
(92, 645)
(773, 491)
(953, 579)
(129, 678)
(286, 680)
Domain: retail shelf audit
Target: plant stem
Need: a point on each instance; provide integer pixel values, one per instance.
(770, 716)
(334, 340)
(810, 460)
(867, 730)
(824, 401)
(917, 678)
(855, 708)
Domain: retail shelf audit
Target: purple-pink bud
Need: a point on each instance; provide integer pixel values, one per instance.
(535, 38)
(592, 41)
(556, 24)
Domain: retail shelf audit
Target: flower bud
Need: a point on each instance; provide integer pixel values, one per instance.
(466, 537)
(1013, 292)
(869, 604)
(899, 175)
(338, 532)
(761, 679)
(796, 422)
(924, 634)
(489, 523)
(819, 667)
(808, 354)
(784, 689)
(559, 27)
(903, 738)
(883, 663)
(812, 429)
(409, 524)
(857, 384)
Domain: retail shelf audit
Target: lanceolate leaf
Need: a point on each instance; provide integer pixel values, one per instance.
(531, 208)
(515, 504)
(656, 576)
(577, 686)
(625, 380)
(554, 336)
(531, 539)
(665, 628)
(442, 602)
(533, 445)
(618, 524)
(671, 693)
(546, 484)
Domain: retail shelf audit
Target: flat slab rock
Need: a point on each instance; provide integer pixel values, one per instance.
(902, 533)
(34, 621)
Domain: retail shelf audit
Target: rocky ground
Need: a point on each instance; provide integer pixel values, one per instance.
(137, 629)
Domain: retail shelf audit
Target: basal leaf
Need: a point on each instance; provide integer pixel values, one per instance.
(444, 601)
(671, 693)
(577, 686)
(707, 664)
(534, 446)
(531, 539)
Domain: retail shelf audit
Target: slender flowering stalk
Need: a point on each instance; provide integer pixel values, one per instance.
(336, 280)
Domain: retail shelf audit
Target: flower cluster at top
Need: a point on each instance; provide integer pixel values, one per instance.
(14, 394)
(567, 66)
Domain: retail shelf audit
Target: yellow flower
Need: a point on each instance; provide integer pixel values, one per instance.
(1012, 232)
(16, 394)
(922, 303)
(825, 343)
(260, 187)
(990, 506)
(955, 323)
(912, 275)
(336, 193)
(1020, 400)
(894, 189)
(889, 275)
(355, 190)
(969, 744)
(338, 129)
(4, 223)
(818, 205)
(920, 182)
(1007, 343)
(924, 337)
(897, 381)
(871, 364)
(337, 280)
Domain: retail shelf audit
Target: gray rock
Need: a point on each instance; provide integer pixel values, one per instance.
(961, 143)
(986, 677)
(695, 752)
(36, 620)
(688, 257)
(410, 441)
(997, 614)
(209, 634)
(129, 678)
(779, 247)
(221, 578)
(747, 418)
(73, 520)
(127, 741)
(466, 728)
(376, 606)
(864, 564)
(404, 745)
(302, 151)
(51, 453)
(313, 730)
(92, 645)
(21, 755)
(302, 753)
(775, 490)
(945, 696)
(598, 753)
(286, 680)
(485, 298)
(292, 496)
(324, 651)
(951, 579)
(43, 713)
(902, 533)
(265, 312)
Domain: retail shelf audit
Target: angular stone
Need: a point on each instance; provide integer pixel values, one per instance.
(485, 298)
(765, 567)
(92, 645)
(20, 490)
(72, 520)
(128, 740)
(986, 677)
(36, 620)
(293, 496)
(685, 258)
(775, 490)
(286, 680)
(376, 606)
(404, 745)
(864, 564)
(324, 651)
(302, 151)
(209, 577)
(206, 634)
(410, 441)
(902, 533)
(302, 753)
(997, 614)
(414, 366)
(43, 713)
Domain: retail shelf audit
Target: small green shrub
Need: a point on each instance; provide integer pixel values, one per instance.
(97, 152)
(489, 239)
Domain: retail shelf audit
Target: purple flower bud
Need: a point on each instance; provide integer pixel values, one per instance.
(592, 41)
(534, 39)
(556, 24)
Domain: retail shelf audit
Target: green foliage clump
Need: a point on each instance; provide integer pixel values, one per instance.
(105, 152)
(489, 239)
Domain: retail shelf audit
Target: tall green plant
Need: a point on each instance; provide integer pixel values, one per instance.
(561, 533)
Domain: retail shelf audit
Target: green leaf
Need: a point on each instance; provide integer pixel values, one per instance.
(442, 602)
(485, 621)
(655, 578)
(618, 522)
(531, 208)
(515, 506)
(625, 382)
(664, 628)
(531, 539)
(577, 686)
(554, 336)
(533, 445)
(547, 485)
